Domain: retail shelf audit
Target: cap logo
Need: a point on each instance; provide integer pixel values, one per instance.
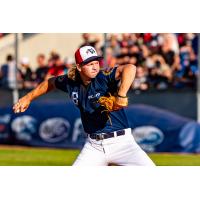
(90, 51)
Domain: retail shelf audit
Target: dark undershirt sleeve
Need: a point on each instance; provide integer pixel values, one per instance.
(62, 82)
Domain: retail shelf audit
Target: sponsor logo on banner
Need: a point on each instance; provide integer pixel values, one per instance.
(148, 137)
(2, 128)
(54, 130)
(5, 118)
(24, 127)
(78, 130)
(4, 122)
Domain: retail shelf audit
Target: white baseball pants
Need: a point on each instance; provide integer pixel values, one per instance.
(120, 150)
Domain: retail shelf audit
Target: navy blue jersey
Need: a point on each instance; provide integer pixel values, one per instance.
(93, 115)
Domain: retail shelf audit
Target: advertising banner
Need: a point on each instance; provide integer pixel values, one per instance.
(59, 125)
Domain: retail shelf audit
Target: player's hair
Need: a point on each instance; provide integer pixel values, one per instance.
(73, 73)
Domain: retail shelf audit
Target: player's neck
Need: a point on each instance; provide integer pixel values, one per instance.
(86, 81)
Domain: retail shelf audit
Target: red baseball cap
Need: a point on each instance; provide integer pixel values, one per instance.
(86, 54)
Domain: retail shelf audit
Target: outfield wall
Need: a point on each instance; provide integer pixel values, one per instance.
(58, 124)
(182, 101)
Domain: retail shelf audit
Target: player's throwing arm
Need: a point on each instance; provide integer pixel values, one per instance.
(24, 102)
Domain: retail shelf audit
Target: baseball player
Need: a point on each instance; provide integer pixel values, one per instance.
(101, 98)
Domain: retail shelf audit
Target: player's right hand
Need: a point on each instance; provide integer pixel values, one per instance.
(22, 104)
(120, 103)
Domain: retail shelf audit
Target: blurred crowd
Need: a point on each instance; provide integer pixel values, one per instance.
(163, 61)
(3, 34)
(27, 78)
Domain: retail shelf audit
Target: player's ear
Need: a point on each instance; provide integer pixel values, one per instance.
(78, 67)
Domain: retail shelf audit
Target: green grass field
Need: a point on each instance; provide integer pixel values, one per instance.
(28, 156)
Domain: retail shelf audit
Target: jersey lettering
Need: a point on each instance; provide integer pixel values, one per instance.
(75, 97)
(94, 96)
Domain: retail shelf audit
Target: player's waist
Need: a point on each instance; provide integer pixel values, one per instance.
(102, 136)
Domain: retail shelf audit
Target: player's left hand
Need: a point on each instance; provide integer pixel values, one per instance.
(113, 103)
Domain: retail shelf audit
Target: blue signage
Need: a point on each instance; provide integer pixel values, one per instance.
(59, 125)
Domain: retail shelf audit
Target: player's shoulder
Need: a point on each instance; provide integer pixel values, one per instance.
(106, 72)
(65, 79)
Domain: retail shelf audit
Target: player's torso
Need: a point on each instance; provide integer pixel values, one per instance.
(94, 117)
(86, 97)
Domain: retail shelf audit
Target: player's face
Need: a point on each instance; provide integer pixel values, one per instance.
(91, 69)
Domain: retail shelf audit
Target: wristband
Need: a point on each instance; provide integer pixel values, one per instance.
(122, 96)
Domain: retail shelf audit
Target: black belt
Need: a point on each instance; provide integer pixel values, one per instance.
(101, 136)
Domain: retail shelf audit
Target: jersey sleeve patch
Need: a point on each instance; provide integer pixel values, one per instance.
(107, 72)
(109, 75)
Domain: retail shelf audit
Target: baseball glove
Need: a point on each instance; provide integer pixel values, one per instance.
(112, 103)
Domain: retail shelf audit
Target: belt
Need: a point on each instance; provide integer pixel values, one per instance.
(101, 136)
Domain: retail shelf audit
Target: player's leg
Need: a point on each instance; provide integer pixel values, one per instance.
(137, 157)
(91, 155)
(125, 151)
